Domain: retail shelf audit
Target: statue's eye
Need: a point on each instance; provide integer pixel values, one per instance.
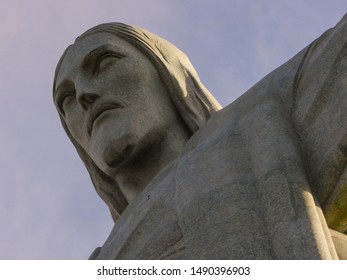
(65, 101)
(106, 61)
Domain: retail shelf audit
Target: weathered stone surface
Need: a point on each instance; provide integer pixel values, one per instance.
(263, 178)
(340, 242)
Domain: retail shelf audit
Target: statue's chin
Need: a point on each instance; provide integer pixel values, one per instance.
(116, 153)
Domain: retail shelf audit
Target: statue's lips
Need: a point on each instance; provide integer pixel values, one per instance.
(97, 111)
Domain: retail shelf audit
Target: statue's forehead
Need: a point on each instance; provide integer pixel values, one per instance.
(75, 53)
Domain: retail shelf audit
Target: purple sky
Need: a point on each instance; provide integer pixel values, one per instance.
(48, 207)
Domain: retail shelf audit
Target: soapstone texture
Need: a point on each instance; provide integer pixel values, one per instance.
(263, 178)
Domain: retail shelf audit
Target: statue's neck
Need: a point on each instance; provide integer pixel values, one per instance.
(141, 169)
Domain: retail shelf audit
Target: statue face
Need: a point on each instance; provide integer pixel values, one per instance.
(112, 100)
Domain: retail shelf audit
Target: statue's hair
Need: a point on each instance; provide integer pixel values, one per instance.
(192, 100)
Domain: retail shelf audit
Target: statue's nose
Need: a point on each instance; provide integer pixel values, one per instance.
(85, 91)
(86, 99)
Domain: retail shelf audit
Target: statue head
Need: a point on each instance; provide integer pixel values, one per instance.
(117, 87)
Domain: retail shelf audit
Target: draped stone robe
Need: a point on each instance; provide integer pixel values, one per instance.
(265, 178)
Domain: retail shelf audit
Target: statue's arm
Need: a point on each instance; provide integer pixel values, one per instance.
(320, 117)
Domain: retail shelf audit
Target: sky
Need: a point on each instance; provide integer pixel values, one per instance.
(48, 206)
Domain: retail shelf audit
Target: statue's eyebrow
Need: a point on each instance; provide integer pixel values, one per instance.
(97, 52)
(89, 59)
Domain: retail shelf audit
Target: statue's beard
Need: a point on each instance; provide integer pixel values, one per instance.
(117, 152)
